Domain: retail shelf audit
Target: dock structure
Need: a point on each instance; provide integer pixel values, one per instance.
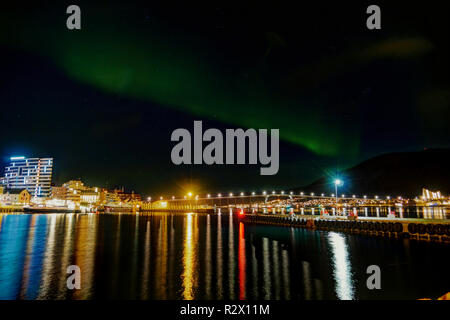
(420, 229)
(378, 217)
(11, 209)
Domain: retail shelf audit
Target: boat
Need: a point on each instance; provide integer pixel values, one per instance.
(50, 210)
(125, 207)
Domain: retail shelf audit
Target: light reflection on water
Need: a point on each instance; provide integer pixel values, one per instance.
(194, 256)
(342, 269)
(189, 275)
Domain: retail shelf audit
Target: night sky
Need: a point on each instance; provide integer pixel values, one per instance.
(104, 100)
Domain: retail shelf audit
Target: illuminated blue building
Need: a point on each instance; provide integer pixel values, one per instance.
(32, 174)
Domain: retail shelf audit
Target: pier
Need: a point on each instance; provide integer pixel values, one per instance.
(398, 218)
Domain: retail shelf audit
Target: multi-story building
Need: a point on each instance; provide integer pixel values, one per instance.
(32, 174)
(110, 197)
(74, 189)
(59, 193)
(431, 195)
(90, 196)
(127, 197)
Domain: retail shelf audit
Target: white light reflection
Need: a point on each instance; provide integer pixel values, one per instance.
(342, 270)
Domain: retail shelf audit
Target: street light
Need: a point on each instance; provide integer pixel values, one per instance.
(242, 194)
(337, 183)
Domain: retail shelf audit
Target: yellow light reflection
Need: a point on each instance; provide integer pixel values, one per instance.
(84, 253)
(189, 258)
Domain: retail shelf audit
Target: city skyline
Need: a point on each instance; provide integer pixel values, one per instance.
(17, 176)
(215, 158)
(339, 96)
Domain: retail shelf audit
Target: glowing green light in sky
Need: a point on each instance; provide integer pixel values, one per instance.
(172, 73)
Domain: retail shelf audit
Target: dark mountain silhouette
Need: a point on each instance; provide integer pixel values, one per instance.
(393, 174)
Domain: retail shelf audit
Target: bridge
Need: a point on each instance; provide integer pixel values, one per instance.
(275, 202)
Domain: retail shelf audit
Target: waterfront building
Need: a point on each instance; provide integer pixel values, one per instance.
(126, 196)
(32, 174)
(111, 197)
(59, 193)
(89, 196)
(74, 189)
(15, 196)
(431, 195)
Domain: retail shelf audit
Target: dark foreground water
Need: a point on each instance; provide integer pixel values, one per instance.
(206, 257)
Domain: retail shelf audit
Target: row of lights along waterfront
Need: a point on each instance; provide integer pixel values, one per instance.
(264, 193)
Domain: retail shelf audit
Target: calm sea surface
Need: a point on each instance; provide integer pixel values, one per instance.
(194, 256)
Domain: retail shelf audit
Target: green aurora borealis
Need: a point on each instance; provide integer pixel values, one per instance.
(319, 91)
